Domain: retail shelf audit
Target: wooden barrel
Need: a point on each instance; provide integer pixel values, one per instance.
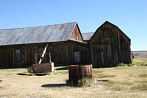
(79, 72)
(73, 74)
(85, 71)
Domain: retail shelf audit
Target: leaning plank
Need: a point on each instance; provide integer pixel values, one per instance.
(44, 51)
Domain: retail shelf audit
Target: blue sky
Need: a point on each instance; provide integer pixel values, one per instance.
(129, 15)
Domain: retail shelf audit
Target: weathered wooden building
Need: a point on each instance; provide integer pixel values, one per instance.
(108, 46)
(21, 47)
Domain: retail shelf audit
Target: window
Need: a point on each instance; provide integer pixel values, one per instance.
(17, 53)
(77, 56)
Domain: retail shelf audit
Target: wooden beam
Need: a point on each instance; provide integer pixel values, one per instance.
(44, 51)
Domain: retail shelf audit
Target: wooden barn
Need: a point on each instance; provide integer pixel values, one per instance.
(21, 47)
(108, 46)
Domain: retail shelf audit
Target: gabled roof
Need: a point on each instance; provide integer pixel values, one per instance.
(107, 22)
(118, 29)
(87, 36)
(39, 34)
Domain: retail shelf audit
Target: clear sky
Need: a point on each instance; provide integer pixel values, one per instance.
(129, 15)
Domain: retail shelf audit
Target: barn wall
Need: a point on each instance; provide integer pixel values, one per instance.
(78, 47)
(62, 53)
(109, 47)
(9, 59)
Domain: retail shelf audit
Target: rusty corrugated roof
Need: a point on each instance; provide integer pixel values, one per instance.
(87, 36)
(39, 34)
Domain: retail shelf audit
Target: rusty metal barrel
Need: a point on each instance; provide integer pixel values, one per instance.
(79, 72)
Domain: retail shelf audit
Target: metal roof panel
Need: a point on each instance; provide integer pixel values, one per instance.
(87, 36)
(49, 33)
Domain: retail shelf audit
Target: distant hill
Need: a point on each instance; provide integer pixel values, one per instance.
(140, 54)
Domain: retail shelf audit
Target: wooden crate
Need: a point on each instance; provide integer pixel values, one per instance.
(42, 68)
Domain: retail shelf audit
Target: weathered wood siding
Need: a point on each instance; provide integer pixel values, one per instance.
(109, 46)
(62, 53)
(83, 49)
(76, 35)
(8, 55)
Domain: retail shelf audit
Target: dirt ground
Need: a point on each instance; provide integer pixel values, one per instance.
(117, 82)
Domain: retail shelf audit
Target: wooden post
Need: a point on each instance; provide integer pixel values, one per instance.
(50, 58)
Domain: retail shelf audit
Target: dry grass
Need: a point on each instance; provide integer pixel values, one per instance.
(143, 75)
(139, 62)
(117, 82)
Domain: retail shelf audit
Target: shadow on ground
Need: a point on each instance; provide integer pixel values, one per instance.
(53, 85)
(62, 68)
(102, 80)
(32, 74)
(0, 85)
(24, 74)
